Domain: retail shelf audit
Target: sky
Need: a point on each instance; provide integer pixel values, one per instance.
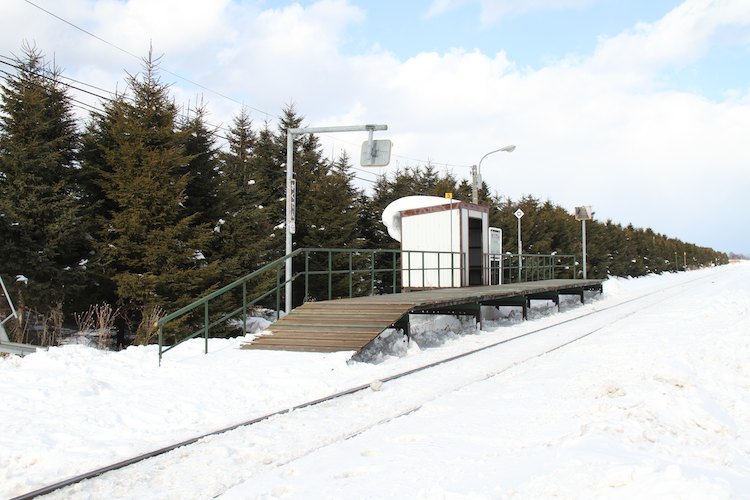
(639, 109)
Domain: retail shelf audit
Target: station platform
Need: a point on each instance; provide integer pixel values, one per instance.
(351, 324)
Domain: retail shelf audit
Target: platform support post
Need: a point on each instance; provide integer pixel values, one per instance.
(403, 324)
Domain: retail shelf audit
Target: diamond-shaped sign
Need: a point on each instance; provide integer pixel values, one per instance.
(583, 213)
(518, 213)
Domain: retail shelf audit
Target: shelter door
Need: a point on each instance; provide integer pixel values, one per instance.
(476, 243)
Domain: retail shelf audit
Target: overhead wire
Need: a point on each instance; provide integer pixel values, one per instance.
(76, 103)
(208, 89)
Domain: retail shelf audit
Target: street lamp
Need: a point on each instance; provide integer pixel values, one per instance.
(290, 223)
(476, 172)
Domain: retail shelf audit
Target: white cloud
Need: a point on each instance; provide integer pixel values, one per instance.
(681, 37)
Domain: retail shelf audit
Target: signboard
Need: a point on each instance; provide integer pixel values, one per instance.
(376, 153)
(293, 211)
(496, 241)
(583, 213)
(518, 213)
(449, 196)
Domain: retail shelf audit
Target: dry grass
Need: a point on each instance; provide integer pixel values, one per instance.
(147, 332)
(98, 320)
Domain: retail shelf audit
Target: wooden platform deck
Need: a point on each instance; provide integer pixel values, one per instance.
(351, 324)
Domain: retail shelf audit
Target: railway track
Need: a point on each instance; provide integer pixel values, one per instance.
(248, 445)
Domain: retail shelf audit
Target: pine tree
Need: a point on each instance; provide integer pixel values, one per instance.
(330, 211)
(246, 223)
(203, 174)
(43, 229)
(149, 243)
(330, 216)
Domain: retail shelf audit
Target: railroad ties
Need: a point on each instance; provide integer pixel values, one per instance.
(351, 324)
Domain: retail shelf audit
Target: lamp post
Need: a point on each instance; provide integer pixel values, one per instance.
(583, 214)
(290, 209)
(476, 172)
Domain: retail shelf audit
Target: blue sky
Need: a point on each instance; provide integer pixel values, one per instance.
(529, 37)
(639, 108)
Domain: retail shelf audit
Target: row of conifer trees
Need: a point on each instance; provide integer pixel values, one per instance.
(145, 205)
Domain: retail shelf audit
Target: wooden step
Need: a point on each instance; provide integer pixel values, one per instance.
(328, 326)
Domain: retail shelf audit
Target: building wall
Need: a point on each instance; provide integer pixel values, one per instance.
(438, 237)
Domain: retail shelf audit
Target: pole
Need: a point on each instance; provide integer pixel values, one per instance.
(290, 135)
(438, 256)
(583, 238)
(476, 172)
(289, 173)
(519, 250)
(474, 185)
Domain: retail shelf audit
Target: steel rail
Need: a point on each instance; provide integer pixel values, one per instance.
(352, 390)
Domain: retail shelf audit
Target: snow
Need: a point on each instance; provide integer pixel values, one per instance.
(653, 400)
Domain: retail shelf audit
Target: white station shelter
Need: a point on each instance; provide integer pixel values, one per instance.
(444, 242)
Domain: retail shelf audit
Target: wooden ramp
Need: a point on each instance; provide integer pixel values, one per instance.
(351, 324)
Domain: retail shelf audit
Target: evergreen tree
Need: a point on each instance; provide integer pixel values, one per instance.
(149, 243)
(330, 210)
(246, 224)
(43, 229)
(331, 216)
(203, 173)
(267, 167)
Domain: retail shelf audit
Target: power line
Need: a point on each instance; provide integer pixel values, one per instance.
(51, 78)
(56, 79)
(66, 78)
(141, 59)
(78, 104)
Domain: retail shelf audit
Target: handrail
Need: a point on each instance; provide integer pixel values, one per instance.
(203, 301)
(225, 289)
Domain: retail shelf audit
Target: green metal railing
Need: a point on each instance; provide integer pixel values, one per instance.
(534, 267)
(343, 272)
(190, 313)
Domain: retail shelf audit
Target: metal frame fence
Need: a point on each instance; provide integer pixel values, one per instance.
(344, 272)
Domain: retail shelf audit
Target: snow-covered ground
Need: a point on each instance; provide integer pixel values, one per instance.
(654, 402)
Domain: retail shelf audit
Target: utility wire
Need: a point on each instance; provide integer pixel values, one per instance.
(78, 104)
(54, 79)
(15, 61)
(141, 59)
